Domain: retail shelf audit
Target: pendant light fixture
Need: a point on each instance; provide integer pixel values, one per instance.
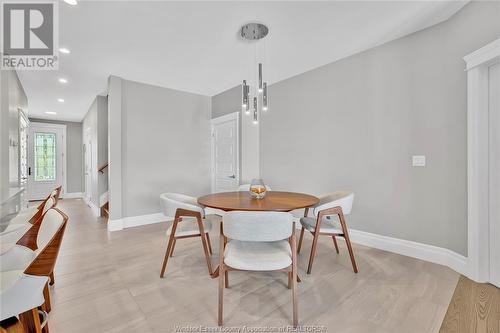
(255, 32)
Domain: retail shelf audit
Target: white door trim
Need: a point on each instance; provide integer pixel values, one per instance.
(478, 159)
(219, 120)
(63, 128)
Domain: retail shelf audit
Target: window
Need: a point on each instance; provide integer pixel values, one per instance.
(45, 156)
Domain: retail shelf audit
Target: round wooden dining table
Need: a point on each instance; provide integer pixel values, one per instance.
(273, 201)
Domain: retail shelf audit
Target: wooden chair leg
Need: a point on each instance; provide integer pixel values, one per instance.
(203, 237)
(348, 242)
(226, 272)
(45, 329)
(169, 247)
(335, 243)
(222, 275)
(207, 254)
(173, 247)
(300, 239)
(313, 251)
(31, 321)
(52, 279)
(46, 296)
(289, 280)
(209, 244)
(294, 280)
(167, 254)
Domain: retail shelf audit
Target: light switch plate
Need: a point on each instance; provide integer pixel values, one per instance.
(418, 160)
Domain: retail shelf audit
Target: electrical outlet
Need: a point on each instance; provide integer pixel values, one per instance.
(418, 160)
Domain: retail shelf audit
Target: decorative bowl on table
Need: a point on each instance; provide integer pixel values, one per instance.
(257, 189)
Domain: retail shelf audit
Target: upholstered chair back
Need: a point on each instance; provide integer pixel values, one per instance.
(51, 202)
(246, 187)
(170, 202)
(343, 199)
(51, 221)
(257, 226)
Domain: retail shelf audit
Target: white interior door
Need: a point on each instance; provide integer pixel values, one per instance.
(46, 156)
(494, 170)
(88, 166)
(225, 153)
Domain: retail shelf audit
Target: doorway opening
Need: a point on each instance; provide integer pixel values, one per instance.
(225, 152)
(46, 159)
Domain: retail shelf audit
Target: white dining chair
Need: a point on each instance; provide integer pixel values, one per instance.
(257, 241)
(328, 216)
(246, 187)
(189, 221)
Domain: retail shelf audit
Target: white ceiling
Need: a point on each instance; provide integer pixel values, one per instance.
(195, 46)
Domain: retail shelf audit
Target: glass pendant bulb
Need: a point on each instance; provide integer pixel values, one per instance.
(264, 97)
(255, 121)
(260, 77)
(244, 95)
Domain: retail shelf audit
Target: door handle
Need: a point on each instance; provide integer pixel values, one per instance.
(233, 176)
(29, 171)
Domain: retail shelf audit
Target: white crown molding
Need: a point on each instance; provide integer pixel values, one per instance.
(136, 221)
(478, 228)
(487, 53)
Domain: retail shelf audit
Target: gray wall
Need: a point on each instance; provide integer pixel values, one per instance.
(165, 145)
(74, 158)
(95, 125)
(226, 102)
(354, 124)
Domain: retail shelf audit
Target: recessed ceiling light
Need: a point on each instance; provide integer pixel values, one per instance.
(64, 50)
(60, 100)
(63, 80)
(71, 2)
(50, 112)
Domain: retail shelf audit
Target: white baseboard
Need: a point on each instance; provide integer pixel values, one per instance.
(115, 225)
(72, 195)
(135, 221)
(437, 255)
(434, 254)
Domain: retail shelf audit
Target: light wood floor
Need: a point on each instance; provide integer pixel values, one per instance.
(475, 307)
(109, 282)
